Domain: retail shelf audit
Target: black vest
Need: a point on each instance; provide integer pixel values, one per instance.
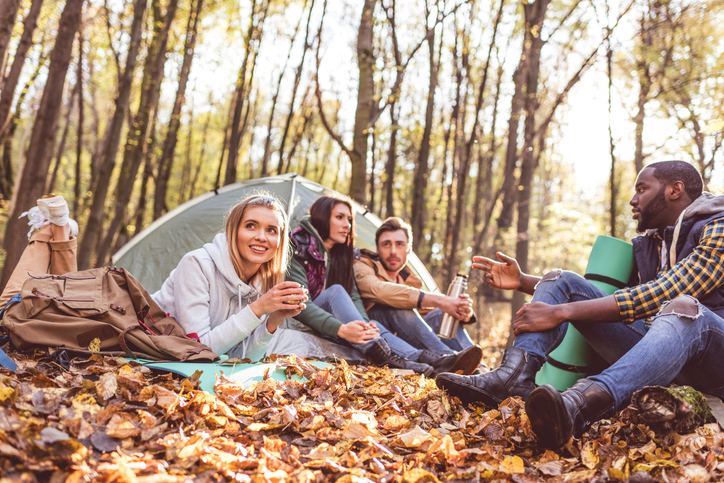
(647, 256)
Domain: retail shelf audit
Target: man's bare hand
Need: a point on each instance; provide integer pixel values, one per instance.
(503, 273)
(537, 317)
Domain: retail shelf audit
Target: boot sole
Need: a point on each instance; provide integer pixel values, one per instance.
(469, 361)
(466, 393)
(548, 417)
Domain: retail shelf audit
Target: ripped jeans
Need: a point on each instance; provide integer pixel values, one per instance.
(683, 344)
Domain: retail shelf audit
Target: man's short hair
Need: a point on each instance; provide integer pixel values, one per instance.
(669, 172)
(394, 223)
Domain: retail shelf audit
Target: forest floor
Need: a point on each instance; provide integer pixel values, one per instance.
(103, 419)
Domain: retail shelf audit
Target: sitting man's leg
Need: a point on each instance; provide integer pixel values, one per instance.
(409, 326)
(408, 329)
(685, 342)
(516, 374)
(461, 340)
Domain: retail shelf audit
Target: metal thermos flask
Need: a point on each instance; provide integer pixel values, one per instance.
(449, 325)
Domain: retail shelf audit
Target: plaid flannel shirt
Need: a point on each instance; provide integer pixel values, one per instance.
(698, 274)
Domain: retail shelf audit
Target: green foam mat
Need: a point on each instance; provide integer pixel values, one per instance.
(244, 374)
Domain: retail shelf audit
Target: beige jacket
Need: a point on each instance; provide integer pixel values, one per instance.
(377, 287)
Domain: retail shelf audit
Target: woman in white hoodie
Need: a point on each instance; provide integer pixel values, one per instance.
(231, 293)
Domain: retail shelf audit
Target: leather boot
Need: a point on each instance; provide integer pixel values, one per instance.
(514, 377)
(379, 353)
(556, 416)
(465, 362)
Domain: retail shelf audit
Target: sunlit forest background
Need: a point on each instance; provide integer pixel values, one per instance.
(489, 124)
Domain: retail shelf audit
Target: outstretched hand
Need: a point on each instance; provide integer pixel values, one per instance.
(503, 273)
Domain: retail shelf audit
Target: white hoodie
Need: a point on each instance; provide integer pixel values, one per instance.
(208, 298)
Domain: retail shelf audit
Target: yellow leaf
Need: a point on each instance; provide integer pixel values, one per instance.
(5, 392)
(418, 475)
(395, 422)
(589, 455)
(512, 465)
(95, 345)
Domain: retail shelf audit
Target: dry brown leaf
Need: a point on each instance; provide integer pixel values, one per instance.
(121, 426)
(414, 438)
(106, 386)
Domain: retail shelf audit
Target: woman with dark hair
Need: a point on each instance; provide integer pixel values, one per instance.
(323, 262)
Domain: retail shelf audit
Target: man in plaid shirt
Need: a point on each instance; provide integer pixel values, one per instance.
(669, 328)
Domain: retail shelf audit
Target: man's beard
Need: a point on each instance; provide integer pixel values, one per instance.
(387, 266)
(655, 206)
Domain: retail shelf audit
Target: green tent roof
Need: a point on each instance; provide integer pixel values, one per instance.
(153, 253)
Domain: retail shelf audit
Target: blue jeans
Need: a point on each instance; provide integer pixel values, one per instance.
(676, 347)
(420, 331)
(335, 300)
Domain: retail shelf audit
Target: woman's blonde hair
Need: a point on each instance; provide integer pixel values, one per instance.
(273, 271)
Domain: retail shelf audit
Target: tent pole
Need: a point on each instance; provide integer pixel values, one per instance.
(290, 206)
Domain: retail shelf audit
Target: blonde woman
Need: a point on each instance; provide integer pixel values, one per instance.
(231, 293)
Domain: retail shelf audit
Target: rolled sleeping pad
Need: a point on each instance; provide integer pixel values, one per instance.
(609, 268)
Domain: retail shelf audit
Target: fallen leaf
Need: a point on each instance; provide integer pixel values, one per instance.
(121, 426)
(512, 465)
(106, 386)
(414, 438)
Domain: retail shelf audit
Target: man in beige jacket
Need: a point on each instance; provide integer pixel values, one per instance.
(393, 296)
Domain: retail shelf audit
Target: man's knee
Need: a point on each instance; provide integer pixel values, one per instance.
(684, 306)
(559, 275)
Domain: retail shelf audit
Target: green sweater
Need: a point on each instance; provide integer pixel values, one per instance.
(314, 316)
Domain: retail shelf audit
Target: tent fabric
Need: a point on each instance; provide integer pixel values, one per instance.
(152, 254)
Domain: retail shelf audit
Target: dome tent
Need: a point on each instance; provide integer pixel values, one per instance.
(152, 254)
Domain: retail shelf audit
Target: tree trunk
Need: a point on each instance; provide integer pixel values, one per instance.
(366, 104)
(168, 151)
(107, 159)
(419, 184)
(534, 18)
(270, 122)
(8, 12)
(202, 156)
(10, 82)
(186, 169)
(505, 218)
(79, 137)
(63, 139)
(136, 148)
(295, 89)
(481, 223)
(34, 173)
(391, 162)
(465, 162)
(6, 171)
(613, 182)
(236, 132)
(643, 71)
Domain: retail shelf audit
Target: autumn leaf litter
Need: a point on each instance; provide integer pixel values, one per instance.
(104, 419)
